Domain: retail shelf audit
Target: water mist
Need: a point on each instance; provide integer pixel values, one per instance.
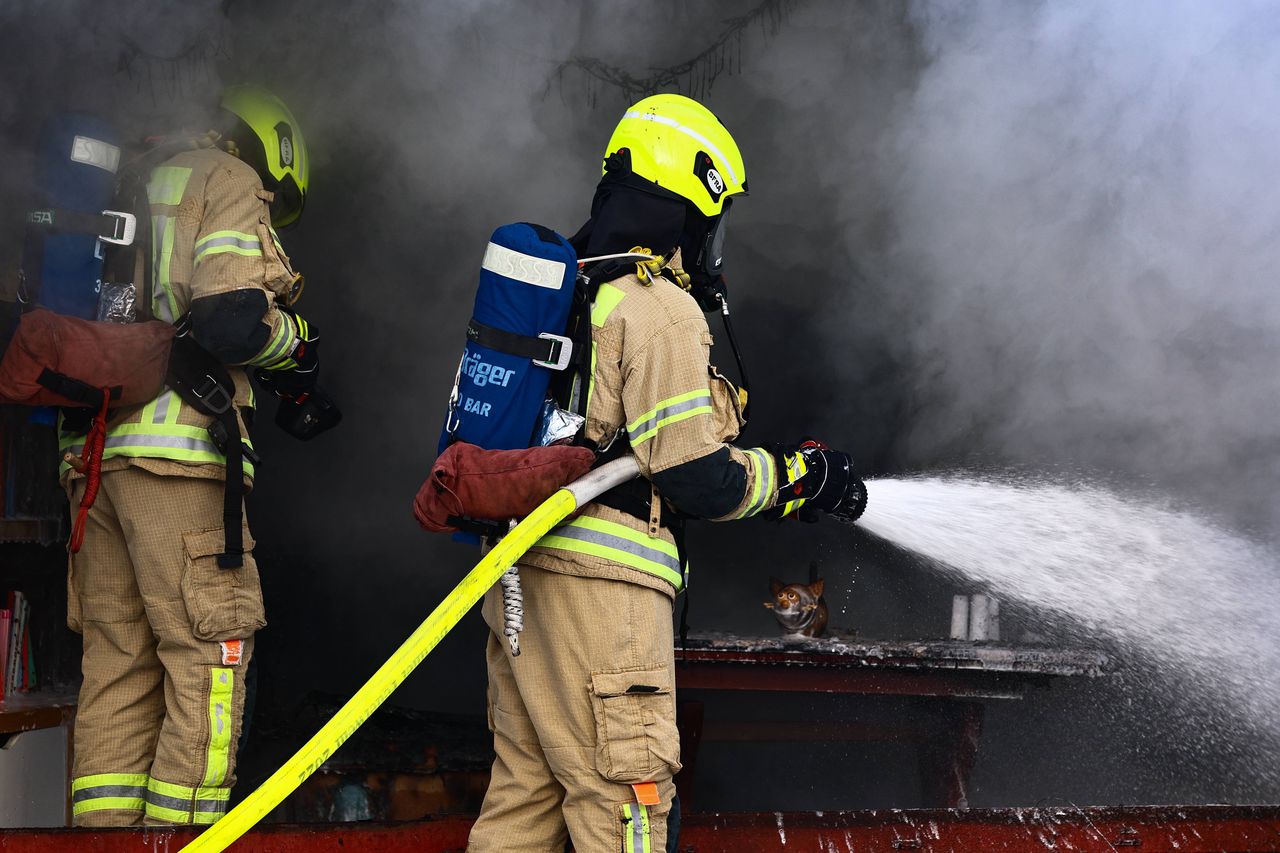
(1202, 603)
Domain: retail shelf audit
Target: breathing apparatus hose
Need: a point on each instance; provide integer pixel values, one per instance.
(420, 643)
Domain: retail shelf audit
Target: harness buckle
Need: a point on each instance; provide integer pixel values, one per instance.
(124, 230)
(213, 395)
(559, 356)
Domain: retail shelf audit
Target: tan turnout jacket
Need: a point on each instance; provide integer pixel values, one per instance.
(211, 236)
(654, 386)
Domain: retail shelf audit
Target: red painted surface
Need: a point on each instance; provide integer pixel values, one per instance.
(1186, 829)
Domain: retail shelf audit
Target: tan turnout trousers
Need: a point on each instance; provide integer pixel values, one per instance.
(163, 694)
(585, 711)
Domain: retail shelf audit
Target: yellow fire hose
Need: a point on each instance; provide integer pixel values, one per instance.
(391, 674)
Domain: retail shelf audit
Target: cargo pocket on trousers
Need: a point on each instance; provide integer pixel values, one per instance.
(636, 735)
(223, 604)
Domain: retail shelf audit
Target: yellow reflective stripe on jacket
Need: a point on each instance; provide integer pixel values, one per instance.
(617, 543)
(167, 186)
(635, 828)
(765, 485)
(234, 242)
(670, 411)
(104, 791)
(173, 441)
(221, 689)
(607, 299)
(163, 303)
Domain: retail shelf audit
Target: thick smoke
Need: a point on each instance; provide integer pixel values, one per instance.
(1085, 232)
(1003, 234)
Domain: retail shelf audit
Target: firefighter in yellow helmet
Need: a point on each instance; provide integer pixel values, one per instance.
(164, 587)
(584, 718)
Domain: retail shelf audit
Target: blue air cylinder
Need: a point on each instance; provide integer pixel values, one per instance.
(526, 290)
(75, 170)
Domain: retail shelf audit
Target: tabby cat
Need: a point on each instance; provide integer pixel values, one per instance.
(799, 608)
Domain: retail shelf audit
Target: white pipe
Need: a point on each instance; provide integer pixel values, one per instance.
(959, 617)
(978, 617)
(590, 486)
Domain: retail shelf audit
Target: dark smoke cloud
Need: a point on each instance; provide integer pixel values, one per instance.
(1086, 224)
(1004, 233)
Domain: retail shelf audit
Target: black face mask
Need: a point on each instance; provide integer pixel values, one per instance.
(702, 245)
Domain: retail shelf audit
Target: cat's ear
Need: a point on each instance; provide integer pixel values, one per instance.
(775, 585)
(816, 587)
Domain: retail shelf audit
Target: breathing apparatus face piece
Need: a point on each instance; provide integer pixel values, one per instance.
(702, 245)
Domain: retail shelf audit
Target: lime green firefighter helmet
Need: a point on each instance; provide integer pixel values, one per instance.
(680, 146)
(268, 139)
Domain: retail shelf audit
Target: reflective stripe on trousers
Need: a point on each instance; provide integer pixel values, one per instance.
(635, 829)
(221, 690)
(108, 791)
(180, 804)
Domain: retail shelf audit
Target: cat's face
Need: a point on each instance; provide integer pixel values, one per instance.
(793, 600)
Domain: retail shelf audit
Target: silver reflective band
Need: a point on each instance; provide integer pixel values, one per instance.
(100, 791)
(617, 543)
(183, 804)
(174, 442)
(690, 132)
(206, 245)
(539, 272)
(95, 152)
(652, 423)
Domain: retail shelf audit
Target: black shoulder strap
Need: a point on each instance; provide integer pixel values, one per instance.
(203, 382)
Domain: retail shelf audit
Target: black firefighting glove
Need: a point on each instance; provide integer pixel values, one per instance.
(814, 479)
(295, 375)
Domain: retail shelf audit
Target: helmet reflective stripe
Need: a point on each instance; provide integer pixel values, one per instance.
(680, 148)
(690, 132)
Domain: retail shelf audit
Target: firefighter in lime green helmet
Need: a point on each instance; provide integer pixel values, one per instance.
(268, 138)
(670, 147)
(584, 720)
(164, 587)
